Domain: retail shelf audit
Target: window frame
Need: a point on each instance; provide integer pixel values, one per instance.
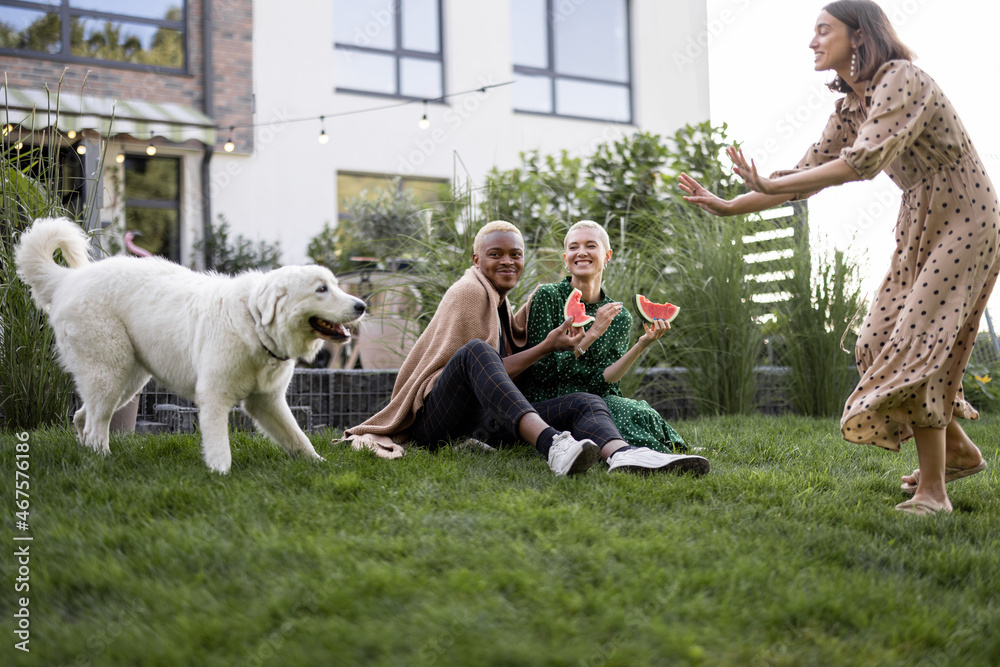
(65, 12)
(398, 53)
(554, 76)
(388, 178)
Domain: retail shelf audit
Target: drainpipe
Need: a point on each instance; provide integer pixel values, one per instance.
(208, 97)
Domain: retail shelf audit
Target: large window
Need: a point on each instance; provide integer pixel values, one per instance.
(389, 47)
(152, 204)
(146, 33)
(571, 58)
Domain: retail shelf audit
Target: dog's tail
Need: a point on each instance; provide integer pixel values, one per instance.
(35, 263)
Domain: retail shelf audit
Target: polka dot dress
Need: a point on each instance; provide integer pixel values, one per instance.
(562, 373)
(916, 340)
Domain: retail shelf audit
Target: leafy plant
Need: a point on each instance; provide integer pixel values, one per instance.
(34, 389)
(817, 326)
(232, 256)
(979, 385)
(382, 220)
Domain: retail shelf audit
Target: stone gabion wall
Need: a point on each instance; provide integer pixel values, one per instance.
(342, 398)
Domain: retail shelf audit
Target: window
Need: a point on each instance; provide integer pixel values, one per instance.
(389, 47)
(149, 34)
(425, 191)
(571, 58)
(152, 204)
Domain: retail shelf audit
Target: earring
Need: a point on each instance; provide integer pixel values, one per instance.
(854, 64)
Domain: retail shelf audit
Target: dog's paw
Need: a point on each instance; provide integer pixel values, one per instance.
(219, 462)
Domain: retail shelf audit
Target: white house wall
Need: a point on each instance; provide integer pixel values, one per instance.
(286, 189)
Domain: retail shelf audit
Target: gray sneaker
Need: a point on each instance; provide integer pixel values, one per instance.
(569, 456)
(645, 460)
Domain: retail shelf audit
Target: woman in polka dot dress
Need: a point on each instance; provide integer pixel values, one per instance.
(916, 340)
(603, 357)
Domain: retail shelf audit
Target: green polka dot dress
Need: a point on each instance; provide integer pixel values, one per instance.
(562, 373)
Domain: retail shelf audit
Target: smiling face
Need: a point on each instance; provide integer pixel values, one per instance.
(832, 44)
(585, 254)
(502, 260)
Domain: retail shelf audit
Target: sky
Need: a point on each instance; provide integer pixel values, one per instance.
(762, 84)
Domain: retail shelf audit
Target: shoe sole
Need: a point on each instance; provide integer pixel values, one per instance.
(589, 455)
(697, 466)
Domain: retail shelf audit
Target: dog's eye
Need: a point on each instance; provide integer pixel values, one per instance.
(322, 288)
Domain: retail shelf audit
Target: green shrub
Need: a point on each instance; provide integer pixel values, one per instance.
(234, 255)
(818, 333)
(34, 389)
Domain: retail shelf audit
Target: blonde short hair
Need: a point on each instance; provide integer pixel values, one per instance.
(590, 224)
(489, 228)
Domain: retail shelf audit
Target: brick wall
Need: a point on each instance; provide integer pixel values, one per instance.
(233, 71)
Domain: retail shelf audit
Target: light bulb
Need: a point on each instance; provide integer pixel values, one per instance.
(424, 123)
(19, 145)
(323, 137)
(81, 149)
(229, 146)
(151, 150)
(120, 158)
(71, 134)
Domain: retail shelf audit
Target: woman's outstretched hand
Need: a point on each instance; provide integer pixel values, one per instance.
(748, 172)
(653, 331)
(702, 198)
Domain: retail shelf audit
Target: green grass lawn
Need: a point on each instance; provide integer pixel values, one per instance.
(788, 553)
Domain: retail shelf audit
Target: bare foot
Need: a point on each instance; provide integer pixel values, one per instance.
(960, 453)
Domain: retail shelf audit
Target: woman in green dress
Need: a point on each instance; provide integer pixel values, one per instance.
(602, 358)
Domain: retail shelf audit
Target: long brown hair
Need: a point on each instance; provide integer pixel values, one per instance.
(877, 41)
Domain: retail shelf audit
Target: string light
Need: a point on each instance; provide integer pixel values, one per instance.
(151, 149)
(121, 156)
(424, 123)
(286, 121)
(81, 148)
(71, 134)
(323, 136)
(7, 129)
(230, 145)
(18, 145)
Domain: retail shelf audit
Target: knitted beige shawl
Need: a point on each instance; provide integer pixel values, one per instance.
(467, 311)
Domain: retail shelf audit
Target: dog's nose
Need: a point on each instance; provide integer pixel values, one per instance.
(359, 308)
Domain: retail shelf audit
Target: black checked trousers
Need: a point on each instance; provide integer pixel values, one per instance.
(475, 397)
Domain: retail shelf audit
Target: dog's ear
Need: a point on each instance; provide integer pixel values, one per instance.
(266, 302)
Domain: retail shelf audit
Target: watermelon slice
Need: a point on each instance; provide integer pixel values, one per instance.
(574, 308)
(651, 311)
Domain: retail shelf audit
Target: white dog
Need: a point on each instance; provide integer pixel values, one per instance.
(216, 340)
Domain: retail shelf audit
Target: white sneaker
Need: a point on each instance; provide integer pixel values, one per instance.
(569, 456)
(645, 460)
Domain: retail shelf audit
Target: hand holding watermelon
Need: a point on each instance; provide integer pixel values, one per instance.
(657, 318)
(563, 337)
(651, 311)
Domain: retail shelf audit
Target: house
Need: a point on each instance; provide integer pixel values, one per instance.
(271, 114)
